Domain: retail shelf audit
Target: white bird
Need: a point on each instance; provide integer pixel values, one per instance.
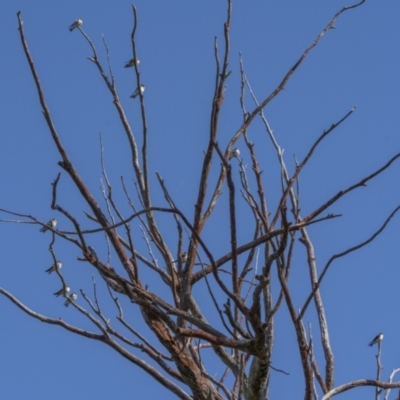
(376, 339)
(63, 291)
(76, 24)
(52, 224)
(132, 62)
(234, 153)
(136, 92)
(54, 267)
(184, 257)
(70, 299)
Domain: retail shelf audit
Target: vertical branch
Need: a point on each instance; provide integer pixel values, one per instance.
(199, 221)
(144, 119)
(218, 99)
(301, 336)
(319, 307)
(68, 167)
(379, 368)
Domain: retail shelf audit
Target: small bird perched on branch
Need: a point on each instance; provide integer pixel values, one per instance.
(63, 291)
(184, 257)
(76, 24)
(54, 267)
(51, 224)
(70, 299)
(234, 153)
(132, 62)
(136, 92)
(376, 339)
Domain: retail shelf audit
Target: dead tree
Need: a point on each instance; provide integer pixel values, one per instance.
(239, 285)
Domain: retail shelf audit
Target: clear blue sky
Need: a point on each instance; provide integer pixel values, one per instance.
(358, 64)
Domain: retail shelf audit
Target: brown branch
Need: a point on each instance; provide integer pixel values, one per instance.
(301, 336)
(340, 194)
(52, 321)
(334, 257)
(214, 300)
(232, 215)
(359, 383)
(218, 98)
(74, 221)
(319, 307)
(146, 194)
(141, 178)
(379, 368)
(288, 75)
(245, 345)
(299, 168)
(67, 165)
(278, 89)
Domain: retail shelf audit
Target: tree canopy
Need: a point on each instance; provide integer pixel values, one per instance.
(225, 229)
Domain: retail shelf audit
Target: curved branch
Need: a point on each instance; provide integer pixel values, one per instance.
(334, 257)
(52, 321)
(67, 165)
(359, 383)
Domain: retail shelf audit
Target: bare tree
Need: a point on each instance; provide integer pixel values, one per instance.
(240, 284)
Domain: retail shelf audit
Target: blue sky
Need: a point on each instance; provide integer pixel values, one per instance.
(356, 64)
